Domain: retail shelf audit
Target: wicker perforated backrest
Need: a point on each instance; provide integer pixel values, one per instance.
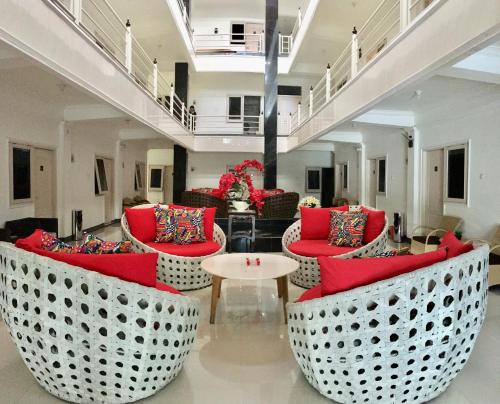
(280, 206)
(202, 200)
(450, 223)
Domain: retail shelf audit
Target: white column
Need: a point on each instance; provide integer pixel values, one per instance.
(290, 123)
(280, 43)
(128, 47)
(328, 82)
(404, 18)
(76, 10)
(414, 190)
(261, 123)
(299, 108)
(362, 173)
(354, 53)
(311, 99)
(62, 169)
(155, 79)
(183, 113)
(172, 99)
(118, 180)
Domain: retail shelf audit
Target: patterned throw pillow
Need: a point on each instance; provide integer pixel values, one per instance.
(354, 208)
(51, 243)
(347, 228)
(189, 226)
(165, 224)
(95, 245)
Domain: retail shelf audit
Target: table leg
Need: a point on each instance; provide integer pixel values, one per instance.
(216, 284)
(280, 287)
(284, 292)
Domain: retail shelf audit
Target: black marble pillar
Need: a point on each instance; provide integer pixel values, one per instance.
(182, 81)
(180, 173)
(271, 94)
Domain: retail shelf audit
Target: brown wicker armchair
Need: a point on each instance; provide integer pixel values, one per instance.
(201, 200)
(280, 206)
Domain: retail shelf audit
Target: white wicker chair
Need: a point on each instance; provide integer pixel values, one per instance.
(401, 340)
(183, 273)
(307, 275)
(87, 337)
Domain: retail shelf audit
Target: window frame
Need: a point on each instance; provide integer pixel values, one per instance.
(100, 191)
(236, 41)
(237, 118)
(313, 190)
(458, 146)
(377, 169)
(138, 177)
(345, 176)
(156, 167)
(12, 146)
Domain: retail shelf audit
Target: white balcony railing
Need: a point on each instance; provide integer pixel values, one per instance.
(229, 43)
(250, 125)
(390, 18)
(114, 36)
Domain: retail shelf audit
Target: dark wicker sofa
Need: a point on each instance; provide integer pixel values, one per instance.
(195, 199)
(280, 206)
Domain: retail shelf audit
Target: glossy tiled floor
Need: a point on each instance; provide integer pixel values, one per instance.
(245, 357)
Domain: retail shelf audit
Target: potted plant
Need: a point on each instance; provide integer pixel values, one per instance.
(309, 202)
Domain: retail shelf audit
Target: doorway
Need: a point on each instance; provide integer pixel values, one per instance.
(371, 183)
(251, 113)
(44, 183)
(433, 187)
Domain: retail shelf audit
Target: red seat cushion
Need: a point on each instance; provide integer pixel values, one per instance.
(138, 268)
(142, 223)
(313, 293)
(338, 275)
(454, 246)
(317, 248)
(374, 224)
(315, 222)
(208, 220)
(187, 250)
(166, 288)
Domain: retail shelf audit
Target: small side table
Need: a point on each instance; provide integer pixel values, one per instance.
(243, 216)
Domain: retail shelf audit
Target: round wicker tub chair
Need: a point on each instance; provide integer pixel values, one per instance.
(400, 340)
(307, 276)
(182, 273)
(88, 337)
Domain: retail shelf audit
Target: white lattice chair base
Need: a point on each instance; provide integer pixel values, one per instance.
(88, 337)
(401, 340)
(182, 273)
(307, 276)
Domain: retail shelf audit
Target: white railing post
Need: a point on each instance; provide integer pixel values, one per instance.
(280, 42)
(404, 18)
(155, 79)
(184, 13)
(261, 40)
(261, 123)
(76, 10)
(183, 113)
(290, 123)
(311, 99)
(128, 47)
(299, 17)
(171, 99)
(299, 108)
(354, 53)
(328, 82)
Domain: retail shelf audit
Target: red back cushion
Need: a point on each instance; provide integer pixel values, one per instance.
(374, 224)
(315, 222)
(142, 223)
(166, 288)
(208, 220)
(339, 275)
(313, 293)
(31, 243)
(454, 246)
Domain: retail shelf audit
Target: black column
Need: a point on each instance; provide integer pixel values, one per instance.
(182, 82)
(180, 170)
(271, 95)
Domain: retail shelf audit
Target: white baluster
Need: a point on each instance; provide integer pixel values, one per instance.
(183, 112)
(184, 13)
(290, 123)
(299, 17)
(280, 51)
(155, 79)
(76, 10)
(262, 43)
(354, 53)
(299, 108)
(311, 99)
(172, 99)
(261, 123)
(128, 47)
(328, 82)
(404, 18)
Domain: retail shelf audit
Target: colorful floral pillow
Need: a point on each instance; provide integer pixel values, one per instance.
(355, 208)
(51, 243)
(189, 226)
(165, 224)
(347, 228)
(95, 245)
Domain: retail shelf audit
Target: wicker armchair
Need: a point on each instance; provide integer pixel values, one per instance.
(202, 200)
(432, 236)
(494, 257)
(87, 337)
(307, 275)
(183, 273)
(280, 206)
(402, 340)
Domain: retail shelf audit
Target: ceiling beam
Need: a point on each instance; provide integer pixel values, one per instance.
(400, 119)
(74, 113)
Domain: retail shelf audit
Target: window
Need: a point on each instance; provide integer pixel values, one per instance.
(313, 179)
(20, 173)
(381, 176)
(100, 180)
(237, 34)
(455, 176)
(234, 108)
(345, 176)
(156, 178)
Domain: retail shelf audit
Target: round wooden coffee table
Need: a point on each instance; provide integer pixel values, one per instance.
(234, 266)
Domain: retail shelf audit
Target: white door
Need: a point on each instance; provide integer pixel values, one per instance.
(109, 210)
(433, 187)
(371, 183)
(168, 184)
(44, 182)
